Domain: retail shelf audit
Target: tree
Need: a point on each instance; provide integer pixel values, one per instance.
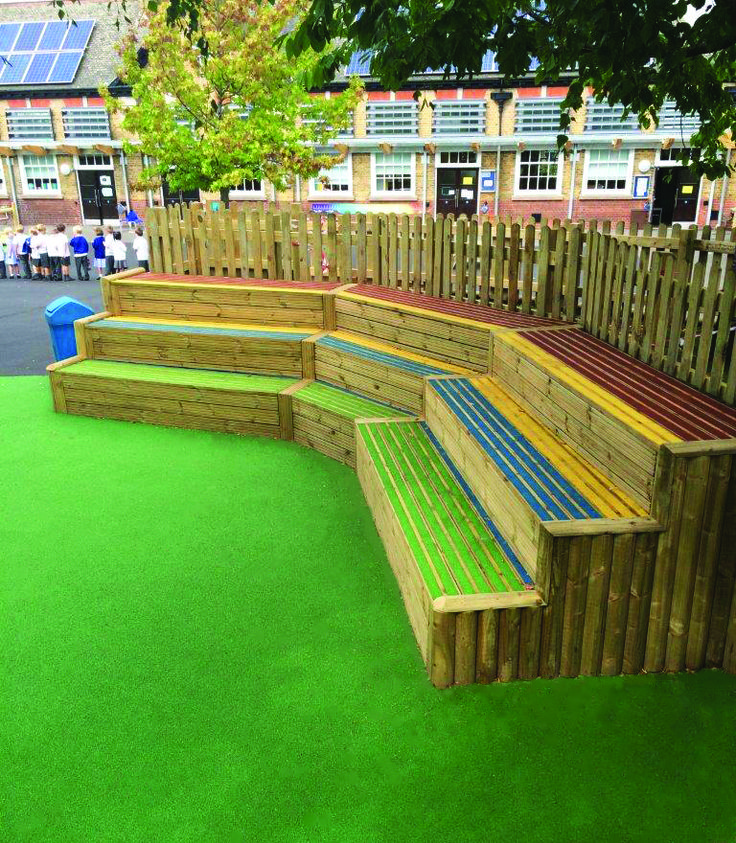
(239, 110)
(634, 52)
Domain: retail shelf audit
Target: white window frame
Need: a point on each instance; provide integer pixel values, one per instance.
(238, 193)
(549, 107)
(555, 193)
(4, 185)
(394, 194)
(79, 166)
(48, 194)
(670, 161)
(605, 194)
(316, 195)
(385, 112)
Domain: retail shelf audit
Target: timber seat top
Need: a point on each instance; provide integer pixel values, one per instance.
(208, 280)
(342, 402)
(174, 376)
(555, 482)
(208, 328)
(383, 354)
(443, 308)
(685, 412)
(455, 545)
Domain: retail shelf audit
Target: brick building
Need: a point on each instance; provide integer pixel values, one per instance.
(60, 153)
(461, 145)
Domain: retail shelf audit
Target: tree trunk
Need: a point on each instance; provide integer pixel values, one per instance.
(225, 197)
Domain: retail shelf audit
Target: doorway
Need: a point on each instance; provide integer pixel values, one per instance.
(676, 194)
(181, 197)
(457, 191)
(98, 196)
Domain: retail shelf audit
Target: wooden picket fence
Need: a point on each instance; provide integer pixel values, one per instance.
(665, 296)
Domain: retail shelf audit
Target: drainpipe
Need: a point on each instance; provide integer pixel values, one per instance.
(500, 98)
(13, 194)
(724, 186)
(298, 189)
(571, 201)
(149, 192)
(125, 178)
(424, 184)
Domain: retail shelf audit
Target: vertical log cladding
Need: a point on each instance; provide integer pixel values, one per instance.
(466, 635)
(508, 644)
(576, 589)
(596, 604)
(725, 582)
(557, 552)
(486, 655)
(442, 649)
(640, 598)
(617, 611)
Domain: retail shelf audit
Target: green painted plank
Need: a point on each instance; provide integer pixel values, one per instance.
(176, 376)
(345, 403)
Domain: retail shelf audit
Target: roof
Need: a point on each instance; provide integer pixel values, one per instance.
(100, 61)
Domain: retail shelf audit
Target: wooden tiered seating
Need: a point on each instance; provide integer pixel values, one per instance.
(440, 544)
(561, 510)
(517, 467)
(376, 370)
(197, 345)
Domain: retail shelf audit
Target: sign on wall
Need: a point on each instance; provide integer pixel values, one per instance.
(641, 187)
(488, 181)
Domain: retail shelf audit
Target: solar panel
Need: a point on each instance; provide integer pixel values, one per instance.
(14, 70)
(42, 52)
(53, 35)
(78, 36)
(8, 34)
(29, 35)
(39, 68)
(488, 63)
(66, 66)
(359, 65)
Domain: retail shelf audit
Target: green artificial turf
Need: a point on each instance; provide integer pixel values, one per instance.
(201, 640)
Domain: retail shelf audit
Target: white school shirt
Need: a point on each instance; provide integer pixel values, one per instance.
(140, 247)
(19, 240)
(109, 241)
(38, 245)
(119, 250)
(54, 245)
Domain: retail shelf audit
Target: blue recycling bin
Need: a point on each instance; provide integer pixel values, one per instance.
(60, 316)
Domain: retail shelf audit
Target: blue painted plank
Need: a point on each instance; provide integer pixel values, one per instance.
(387, 359)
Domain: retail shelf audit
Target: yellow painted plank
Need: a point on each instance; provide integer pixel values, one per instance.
(238, 326)
(298, 291)
(360, 339)
(592, 484)
(605, 400)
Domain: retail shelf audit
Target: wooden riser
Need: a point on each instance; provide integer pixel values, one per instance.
(610, 443)
(226, 304)
(196, 351)
(325, 432)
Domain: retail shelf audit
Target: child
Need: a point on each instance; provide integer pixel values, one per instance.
(43, 250)
(54, 246)
(98, 247)
(3, 273)
(11, 258)
(66, 258)
(109, 259)
(36, 253)
(122, 212)
(119, 252)
(23, 250)
(80, 248)
(140, 247)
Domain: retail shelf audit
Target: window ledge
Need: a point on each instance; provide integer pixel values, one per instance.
(43, 194)
(256, 197)
(607, 194)
(389, 197)
(318, 197)
(518, 197)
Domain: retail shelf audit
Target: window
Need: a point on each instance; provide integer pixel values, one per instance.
(607, 171)
(393, 174)
(537, 116)
(85, 123)
(40, 175)
(249, 189)
(337, 181)
(452, 158)
(29, 124)
(94, 161)
(671, 120)
(673, 156)
(3, 183)
(391, 118)
(539, 171)
(602, 117)
(347, 132)
(460, 117)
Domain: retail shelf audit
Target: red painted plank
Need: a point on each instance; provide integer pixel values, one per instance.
(676, 406)
(246, 282)
(477, 312)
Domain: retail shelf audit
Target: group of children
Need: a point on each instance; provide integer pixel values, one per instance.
(47, 256)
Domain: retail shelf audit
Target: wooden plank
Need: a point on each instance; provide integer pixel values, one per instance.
(439, 229)
(512, 303)
(624, 324)
(416, 246)
(270, 246)
(640, 597)
(461, 280)
(287, 265)
(303, 238)
(330, 247)
(690, 533)
(596, 604)
(724, 593)
(286, 415)
(542, 306)
(617, 611)
(726, 321)
(485, 263)
(404, 247)
(442, 649)
(571, 274)
(707, 323)
(664, 315)
(447, 258)
(256, 244)
(174, 227)
(166, 263)
(508, 644)
(617, 293)
(486, 661)
(154, 239)
(527, 270)
(472, 262)
(553, 555)
(576, 589)
(393, 251)
(346, 241)
(316, 246)
(466, 632)
(384, 244)
(361, 248)
(529, 641)
(559, 270)
(374, 248)
(497, 287)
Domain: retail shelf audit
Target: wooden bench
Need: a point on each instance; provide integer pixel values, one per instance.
(521, 472)
(440, 543)
(375, 369)
(173, 397)
(196, 345)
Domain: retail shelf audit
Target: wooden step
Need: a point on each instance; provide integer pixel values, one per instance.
(221, 300)
(324, 418)
(197, 345)
(521, 471)
(376, 370)
(444, 549)
(191, 398)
